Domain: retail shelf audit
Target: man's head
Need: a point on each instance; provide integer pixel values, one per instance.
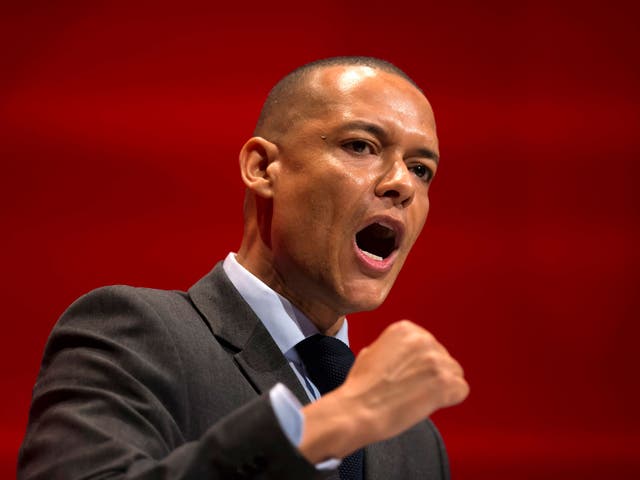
(281, 107)
(338, 177)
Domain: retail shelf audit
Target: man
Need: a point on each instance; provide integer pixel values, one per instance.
(212, 383)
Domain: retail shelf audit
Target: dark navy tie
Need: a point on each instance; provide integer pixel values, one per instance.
(327, 361)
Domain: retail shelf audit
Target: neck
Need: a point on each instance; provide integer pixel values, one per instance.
(258, 259)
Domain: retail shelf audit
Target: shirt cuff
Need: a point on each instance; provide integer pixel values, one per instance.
(287, 409)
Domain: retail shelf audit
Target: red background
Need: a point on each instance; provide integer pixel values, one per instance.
(119, 132)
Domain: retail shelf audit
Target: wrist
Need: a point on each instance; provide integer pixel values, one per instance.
(334, 427)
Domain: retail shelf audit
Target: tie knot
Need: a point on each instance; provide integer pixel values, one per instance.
(327, 361)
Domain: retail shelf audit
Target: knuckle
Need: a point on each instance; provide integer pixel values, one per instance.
(404, 326)
(425, 339)
(461, 391)
(428, 336)
(430, 358)
(466, 389)
(413, 343)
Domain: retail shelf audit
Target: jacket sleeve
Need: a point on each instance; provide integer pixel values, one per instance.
(110, 402)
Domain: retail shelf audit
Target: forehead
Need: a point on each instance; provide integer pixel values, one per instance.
(348, 92)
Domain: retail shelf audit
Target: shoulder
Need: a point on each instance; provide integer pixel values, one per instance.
(124, 299)
(119, 310)
(128, 322)
(112, 305)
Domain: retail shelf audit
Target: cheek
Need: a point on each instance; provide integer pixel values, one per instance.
(304, 222)
(318, 205)
(332, 197)
(419, 215)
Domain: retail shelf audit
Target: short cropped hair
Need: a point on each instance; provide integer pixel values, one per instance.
(291, 83)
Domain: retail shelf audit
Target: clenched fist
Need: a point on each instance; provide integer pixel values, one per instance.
(397, 381)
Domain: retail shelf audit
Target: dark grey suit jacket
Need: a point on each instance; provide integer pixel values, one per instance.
(149, 384)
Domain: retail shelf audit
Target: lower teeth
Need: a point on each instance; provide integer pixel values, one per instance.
(371, 255)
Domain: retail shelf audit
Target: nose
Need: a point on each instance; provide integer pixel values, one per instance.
(397, 184)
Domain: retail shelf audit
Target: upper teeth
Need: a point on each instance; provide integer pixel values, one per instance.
(371, 255)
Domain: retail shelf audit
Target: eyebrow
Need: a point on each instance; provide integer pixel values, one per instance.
(380, 132)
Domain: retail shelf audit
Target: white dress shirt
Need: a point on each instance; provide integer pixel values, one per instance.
(287, 326)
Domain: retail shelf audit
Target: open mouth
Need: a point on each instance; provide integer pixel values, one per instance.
(377, 241)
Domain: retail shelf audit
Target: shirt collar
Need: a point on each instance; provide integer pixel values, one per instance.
(286, 324)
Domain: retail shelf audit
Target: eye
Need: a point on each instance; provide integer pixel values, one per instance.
(422, 171)
(361, 147)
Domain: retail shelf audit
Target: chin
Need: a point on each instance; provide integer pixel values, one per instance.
(365, 299)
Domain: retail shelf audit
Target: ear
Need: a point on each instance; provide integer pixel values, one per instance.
(256, 156)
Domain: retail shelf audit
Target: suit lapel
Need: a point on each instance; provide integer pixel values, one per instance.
(236, 326)
(264, 364)
(233, 322)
